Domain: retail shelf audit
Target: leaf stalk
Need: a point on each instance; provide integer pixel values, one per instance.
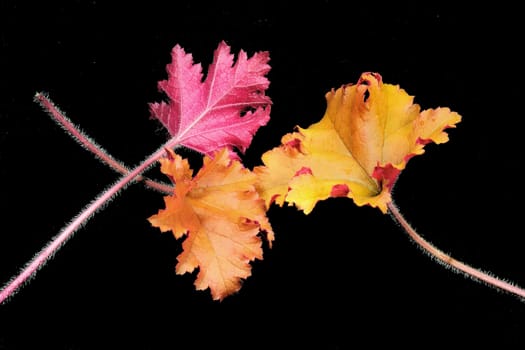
(86, 142)
(447, 261)
(40, 259)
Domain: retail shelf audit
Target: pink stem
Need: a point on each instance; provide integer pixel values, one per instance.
(67, 232)
(59, 117)
(448, 261)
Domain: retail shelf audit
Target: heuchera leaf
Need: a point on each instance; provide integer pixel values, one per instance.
(222, 215)
(368, 133)
(224, 110)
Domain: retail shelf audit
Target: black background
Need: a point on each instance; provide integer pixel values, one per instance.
(343, 277)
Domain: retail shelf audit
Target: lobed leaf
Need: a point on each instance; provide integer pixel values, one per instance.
(222, 215)
(369, 132)
(224, 110)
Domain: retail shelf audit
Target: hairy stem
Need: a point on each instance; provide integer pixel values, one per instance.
(67, 232)
(448, 261)
(60, 118)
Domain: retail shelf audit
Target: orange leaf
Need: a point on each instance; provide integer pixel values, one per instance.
(221, 213)
(368, 133)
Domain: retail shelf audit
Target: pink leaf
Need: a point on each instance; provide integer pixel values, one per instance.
(224, 110)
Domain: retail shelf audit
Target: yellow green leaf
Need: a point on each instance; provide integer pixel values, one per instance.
(357, 150)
